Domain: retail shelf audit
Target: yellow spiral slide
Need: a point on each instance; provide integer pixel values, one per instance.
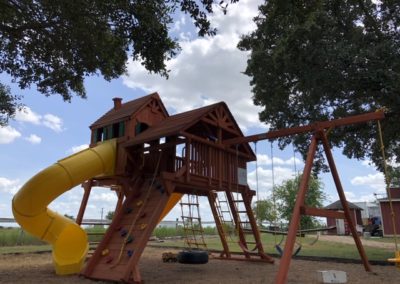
(30, 210)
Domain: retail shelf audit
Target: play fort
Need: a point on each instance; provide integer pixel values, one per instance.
(151, 159)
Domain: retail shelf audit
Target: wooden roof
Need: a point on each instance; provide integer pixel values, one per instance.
(126, 110)
(337, 205)
(216, 114)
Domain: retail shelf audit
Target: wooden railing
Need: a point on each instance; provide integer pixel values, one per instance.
(211, 162)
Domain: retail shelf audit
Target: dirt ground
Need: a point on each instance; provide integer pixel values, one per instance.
(37, 268)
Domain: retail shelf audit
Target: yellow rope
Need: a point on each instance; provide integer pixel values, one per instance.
(387, 180)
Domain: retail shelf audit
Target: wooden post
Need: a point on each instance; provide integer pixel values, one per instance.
(343, 200)
(294, 223)
(87, 186)
(222, 236)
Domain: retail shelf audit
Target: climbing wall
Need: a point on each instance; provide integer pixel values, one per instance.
(117, 255)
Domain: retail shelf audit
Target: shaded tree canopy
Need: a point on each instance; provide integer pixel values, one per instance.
(264, 211)
(286, 193)
(56, 44)
(326, 59)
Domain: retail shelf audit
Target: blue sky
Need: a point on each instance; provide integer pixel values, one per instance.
(206, 71)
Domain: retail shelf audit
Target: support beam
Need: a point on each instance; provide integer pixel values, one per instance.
(294, 223)
(343, 200)
(87, 187)
(318, 212)
(362, 118)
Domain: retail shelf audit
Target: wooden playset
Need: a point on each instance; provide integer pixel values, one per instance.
(156, 159)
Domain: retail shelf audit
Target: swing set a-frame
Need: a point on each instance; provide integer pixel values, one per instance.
(319, 132)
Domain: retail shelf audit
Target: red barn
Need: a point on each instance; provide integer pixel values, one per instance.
(387, 225)
(341, 224)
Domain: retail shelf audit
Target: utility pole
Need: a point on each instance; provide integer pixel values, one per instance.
(101, 219)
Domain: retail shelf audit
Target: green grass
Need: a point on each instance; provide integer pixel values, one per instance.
(14, 240)
(319, 249)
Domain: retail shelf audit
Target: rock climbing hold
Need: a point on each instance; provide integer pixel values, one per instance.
(128, 210)
(143, 226)
(139, 203)
(130, 252)
(105, 252)
(109, 259)
(129, 240)
(124, 232)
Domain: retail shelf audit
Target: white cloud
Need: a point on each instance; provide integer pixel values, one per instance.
(34, 139)
(265, 179)
(208, 69)
(75, 149)
(27, 115)
(264, 159)
(8, 134)
(53, 122)
(374, 181)
(48, 120)
(9, 185)
(110, 196)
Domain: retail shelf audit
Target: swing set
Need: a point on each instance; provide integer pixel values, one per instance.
(320, 131)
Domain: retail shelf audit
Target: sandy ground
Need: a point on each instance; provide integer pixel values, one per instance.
(37, 268)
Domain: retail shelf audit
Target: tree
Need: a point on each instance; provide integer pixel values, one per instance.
(326, 59)
(110, 215)
(264, 211)
(56, 44)
(286, 193)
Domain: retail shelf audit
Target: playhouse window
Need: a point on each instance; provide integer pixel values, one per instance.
(140, 127)
(98, 135)
(118, 129)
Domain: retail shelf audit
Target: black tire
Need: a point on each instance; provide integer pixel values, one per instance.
(193, 257)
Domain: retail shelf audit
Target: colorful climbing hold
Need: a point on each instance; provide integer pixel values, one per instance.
(128, 210)
(124, 232)
(143, 226)
(139, 203)
(129, 240)
(105, 252)
(130, 252)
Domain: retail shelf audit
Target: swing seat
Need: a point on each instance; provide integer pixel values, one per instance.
(396, 259)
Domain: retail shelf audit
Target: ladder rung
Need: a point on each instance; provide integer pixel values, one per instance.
(193, 230)
(241, 212)
(190, 204)
(191, 217)
(238, 200)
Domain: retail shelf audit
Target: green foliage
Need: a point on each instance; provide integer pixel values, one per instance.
(110, 215)
(69, 217)
(286, 193)
(8, 104)
(326, 59)
(264, 211)
(56, 44)
(17, 237)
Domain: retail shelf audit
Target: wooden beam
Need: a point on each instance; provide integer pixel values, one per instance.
(318, 212)
(362, 118)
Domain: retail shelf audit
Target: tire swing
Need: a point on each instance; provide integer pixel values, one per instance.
(193, 257)
(278, 247)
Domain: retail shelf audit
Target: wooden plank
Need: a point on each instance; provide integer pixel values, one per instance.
(310, 211)
(362, 118)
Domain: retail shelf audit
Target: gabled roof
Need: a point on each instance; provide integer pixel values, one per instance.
(175, 124)
(126, 110)
(337, 205)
